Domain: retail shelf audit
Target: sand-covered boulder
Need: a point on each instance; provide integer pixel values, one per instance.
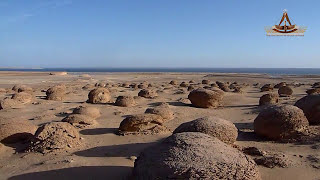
(191, 82)
(279, 85)
(203, 98)
(99, 95)
(223, 86)
(269, 99)
(238, 89)
(266, 87)
(280, 122)
(22, 97)
(222, 129)
(8, 103)
(285, 91)
(79, 120)
(205, 81)
(173, 82)
(125, 101)
(56, 93)
(184, 84)
(191, 87)
(100, 84)
(163, 110)
(313, 91)
(311, 107)
(25, 89)
(15, 131)
(17, 86)
(55, 136)
(142, 123)
(148, 93)
(142, 86)
(193, 155)
(92, 112)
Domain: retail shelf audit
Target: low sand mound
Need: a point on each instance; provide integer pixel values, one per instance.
(79, 120)
(191, 82)
(285, 91)
(147, 93)
(58, 73)
(8, 103)
(163, 110)
(125, 101)
(173, 82)
(222, 129)
(266, 87)
(280, 122)
(92, 112)
(15, 131)
(56, 93)
(313, 91)
(205, 81)
(238, 89)
(99, 95)
(193, 155)
(279, 85)
(142, 123)
(3, 90)
(55, 136)
(25, 89)
(22, 97)
(184, 84)
(310, 105)
(17, 86)
(203, 98)
(269, 99)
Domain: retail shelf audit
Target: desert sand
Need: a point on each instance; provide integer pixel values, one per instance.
(105, 154)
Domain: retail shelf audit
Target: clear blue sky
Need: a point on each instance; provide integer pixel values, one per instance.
(155, 33)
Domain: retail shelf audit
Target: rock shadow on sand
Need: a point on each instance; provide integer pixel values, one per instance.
(79, 173)
(99, 131)
(123, 150)
(246, 132)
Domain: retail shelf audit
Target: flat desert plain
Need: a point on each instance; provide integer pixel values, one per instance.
(101, 152)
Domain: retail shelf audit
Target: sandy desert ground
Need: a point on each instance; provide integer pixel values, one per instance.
(106, 155)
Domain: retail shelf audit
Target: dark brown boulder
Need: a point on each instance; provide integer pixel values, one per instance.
(311, 107)
(269, 99)
(203, 98)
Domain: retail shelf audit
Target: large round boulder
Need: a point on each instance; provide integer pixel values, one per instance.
(56, 93)
(141, 123)
(92, 112)
(311, 107)
(203, 98)
(55, 136)
(205, 81)
(99, 95)
(280, 122)
(269, 99)
(222, 129)
(125, 101)
(285, 91)
(15, 131)
(193, 155)
(148, 93)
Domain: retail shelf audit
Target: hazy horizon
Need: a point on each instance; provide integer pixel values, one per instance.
(155, 34)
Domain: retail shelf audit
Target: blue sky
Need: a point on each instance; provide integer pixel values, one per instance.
(155, 33)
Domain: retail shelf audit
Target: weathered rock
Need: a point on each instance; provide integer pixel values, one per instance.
(205, 81)
(184, 84)
(269, 99)
(147, 93)
(79, 120)
(56, 93)
(163, 110)
(8, 103)
(310, 105)
(125, 101)
(99, 96)
(173, 82)
(280, 122)
(193, 155)
(205, 98)
(222, 129)
(285, 91)
(141, 123)
(22, 97)
(266, 87)
(92, 112)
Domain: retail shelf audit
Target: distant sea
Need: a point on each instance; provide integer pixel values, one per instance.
(271, 71)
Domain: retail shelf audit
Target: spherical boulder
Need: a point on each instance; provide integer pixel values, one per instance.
(193, 155)
(141, 123)
(266, 87)
(15, 131)
(311, 107)
(148, 93)
(163, 110)
(92, 112)
(79, 120)
(269, 99)
(203, 98)
(99, 95)
(280, 122)
(56, 93)
(125, 101)
(222, 129)
(205, 81)
(22, 97)
(55, 136)
(285, 91)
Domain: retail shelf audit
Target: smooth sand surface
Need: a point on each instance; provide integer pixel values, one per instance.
(106, 155)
